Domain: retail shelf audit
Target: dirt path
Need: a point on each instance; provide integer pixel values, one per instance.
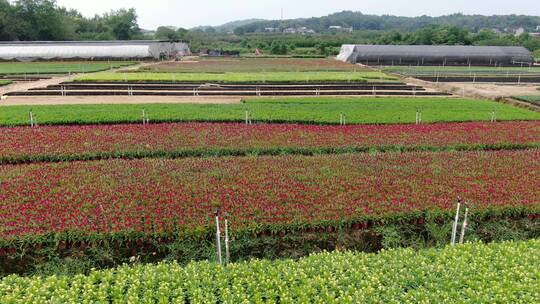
(477, 90)
(78, 100)
(25, 86)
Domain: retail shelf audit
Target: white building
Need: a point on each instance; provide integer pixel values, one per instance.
(339, 28)
(519, 31)
(48, 50)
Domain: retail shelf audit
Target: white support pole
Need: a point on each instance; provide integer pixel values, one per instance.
(247, 117)
(464, 225)
(143, 117)
(227, 251)
(456, 222)
(218, 238)
(31, 119)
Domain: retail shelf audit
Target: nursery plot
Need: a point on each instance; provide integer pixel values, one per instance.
(57, 143)
(241, 77)
(222, 65)
(532, 99)
(14, 68)
(472, 273)
(165, 197)
(278, 110)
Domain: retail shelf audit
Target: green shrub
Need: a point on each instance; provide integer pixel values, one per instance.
(472, 273)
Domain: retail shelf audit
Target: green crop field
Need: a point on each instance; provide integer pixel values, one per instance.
(241, 77)
(535, 99)
(18, 68)
(460, 70)
(303, 110)
(4, 82)
(471, 273)
(222, 65)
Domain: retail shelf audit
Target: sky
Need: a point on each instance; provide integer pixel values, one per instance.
(188, 14)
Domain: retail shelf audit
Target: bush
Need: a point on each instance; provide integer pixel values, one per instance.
(475, 273)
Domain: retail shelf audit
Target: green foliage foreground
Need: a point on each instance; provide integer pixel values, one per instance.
(302, 110)
(472, 273)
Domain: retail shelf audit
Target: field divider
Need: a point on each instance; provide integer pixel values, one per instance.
(224, 152)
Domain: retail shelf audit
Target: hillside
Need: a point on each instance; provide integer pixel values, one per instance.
(360, 21)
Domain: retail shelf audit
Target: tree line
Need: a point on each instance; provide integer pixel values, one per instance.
(359, 21)
(28, 20)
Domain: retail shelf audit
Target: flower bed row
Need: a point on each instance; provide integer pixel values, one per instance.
(59, 143)
(156, 197)
(472, 273)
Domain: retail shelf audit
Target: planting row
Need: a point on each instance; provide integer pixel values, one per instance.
(51, 143)
(241, 77)
(157, 197)
(218, 65)
(471, 273)
(13, 68)
(322, 110)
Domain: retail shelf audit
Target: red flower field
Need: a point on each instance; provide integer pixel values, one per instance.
(157, 196)
(90, 140)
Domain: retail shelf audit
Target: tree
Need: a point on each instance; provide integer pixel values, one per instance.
(8, 29)
(122, 23)
(166, 33)
(42, 20)
(278, 48)
(239, 31)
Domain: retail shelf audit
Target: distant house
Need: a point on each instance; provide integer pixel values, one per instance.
(538, 28)
(299, 30)
(519, 31)
(339, 28)
(290, 30)
(271, 29)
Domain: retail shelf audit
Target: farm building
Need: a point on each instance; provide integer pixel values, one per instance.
(92, 50)
(435, 55)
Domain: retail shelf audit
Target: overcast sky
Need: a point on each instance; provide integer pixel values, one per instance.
(187, 14)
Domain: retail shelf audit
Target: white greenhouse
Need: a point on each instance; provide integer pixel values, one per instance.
(92, 50)
(435, 55)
